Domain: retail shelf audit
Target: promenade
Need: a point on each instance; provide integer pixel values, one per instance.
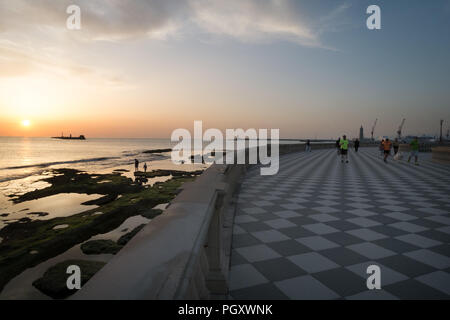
(311, 231)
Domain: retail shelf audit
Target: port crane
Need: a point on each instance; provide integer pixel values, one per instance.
(373, 128)
(400, 128)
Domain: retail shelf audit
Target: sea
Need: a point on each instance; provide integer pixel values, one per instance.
(21, 157)
(25, 162)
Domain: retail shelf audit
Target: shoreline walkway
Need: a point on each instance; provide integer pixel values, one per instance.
(311, 231)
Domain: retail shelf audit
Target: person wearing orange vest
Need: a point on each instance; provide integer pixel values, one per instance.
(387, 145)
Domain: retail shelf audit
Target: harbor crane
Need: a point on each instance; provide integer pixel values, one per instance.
(373, 128)
(400, 128)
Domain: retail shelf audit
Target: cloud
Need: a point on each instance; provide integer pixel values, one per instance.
(252, 21)
(33, 33)
(19, 60)
(243, 20)
(333, 19)
(100, 18)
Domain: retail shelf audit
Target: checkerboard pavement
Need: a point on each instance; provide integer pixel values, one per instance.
(311, 231)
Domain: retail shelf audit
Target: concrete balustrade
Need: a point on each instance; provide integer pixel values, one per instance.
(441, 155)
(289, 148)
(423, 147)
(183, 253)
(405, 148)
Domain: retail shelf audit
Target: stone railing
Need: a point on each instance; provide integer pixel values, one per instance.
(289, 148)
(183, 253)
(441, 155)
(423, 147)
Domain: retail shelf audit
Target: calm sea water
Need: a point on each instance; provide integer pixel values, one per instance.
(21, 157)
(24, 162)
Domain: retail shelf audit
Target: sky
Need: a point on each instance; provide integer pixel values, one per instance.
(143, 68)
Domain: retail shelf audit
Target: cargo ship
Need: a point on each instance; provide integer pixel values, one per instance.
(62, 137)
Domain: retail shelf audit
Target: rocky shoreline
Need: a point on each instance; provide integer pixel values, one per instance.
(26, 244)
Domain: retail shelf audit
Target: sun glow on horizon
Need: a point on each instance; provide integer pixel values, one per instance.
(26, 123)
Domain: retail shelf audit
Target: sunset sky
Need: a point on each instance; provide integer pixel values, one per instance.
(142, 68)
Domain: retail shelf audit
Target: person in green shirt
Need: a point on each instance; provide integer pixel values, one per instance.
(414, 145)
(343, 143)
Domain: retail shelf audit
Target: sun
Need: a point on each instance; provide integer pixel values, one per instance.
(26, 123)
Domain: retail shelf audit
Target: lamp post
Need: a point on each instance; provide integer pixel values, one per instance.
(440, 138)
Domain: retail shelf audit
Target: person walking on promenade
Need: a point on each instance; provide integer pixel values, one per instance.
(343, 144)
(308, 146)
(414, 145)
(396, 145)
(338, 146)
(381, 147)
(356, 145)
(387, 145)
(145, 167)
(136, 165)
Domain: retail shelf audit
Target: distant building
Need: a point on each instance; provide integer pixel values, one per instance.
(361, 134)
(422, 139)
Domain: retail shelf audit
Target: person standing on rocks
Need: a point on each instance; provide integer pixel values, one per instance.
(136, 165)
